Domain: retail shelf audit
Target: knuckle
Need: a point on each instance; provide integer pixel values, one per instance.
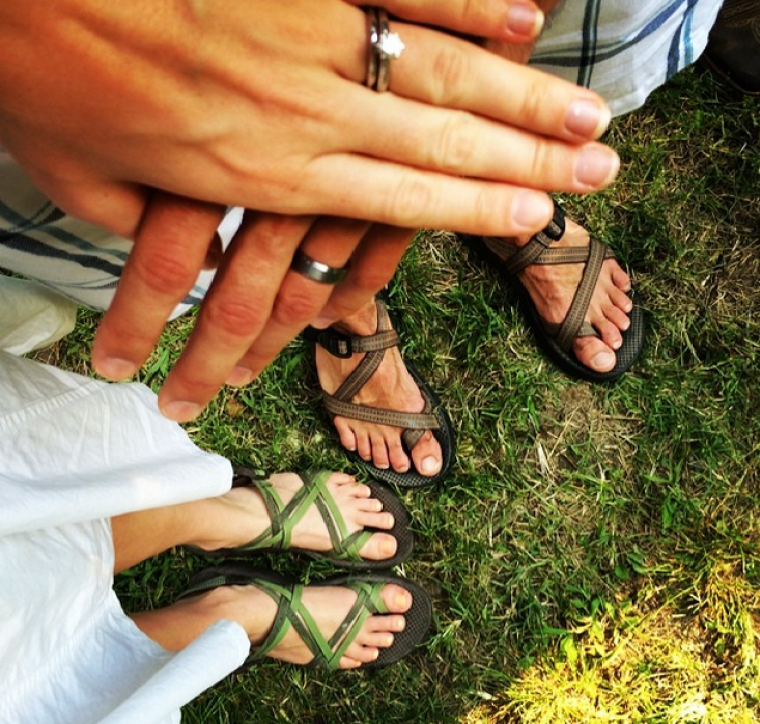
(236, 316)
(455, 144)
(413, 194)
(450, 74)
(540, 165)
(366, 279)
(530, 105)
(164, 270)
(295, 308)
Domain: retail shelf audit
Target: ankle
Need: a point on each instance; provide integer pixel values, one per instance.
(362, 322)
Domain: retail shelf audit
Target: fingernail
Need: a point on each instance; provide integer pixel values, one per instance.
(322, 322)
(181, 411)
(603, 360)
(429, 466)
(240, 377)
(116, 369)
(596, 167)
(587, 118)
(525, 20)
(532, 210)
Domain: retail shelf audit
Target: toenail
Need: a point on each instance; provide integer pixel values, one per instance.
(429, 466)
(375, 654)
(603, 360)
(399, 624)
(389, 640)
(401, 600)
(389, 520)
(617, 344)
(382, 466)
(387, 548)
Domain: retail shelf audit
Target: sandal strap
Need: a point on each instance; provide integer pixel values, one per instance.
(339, 403)
(284, 517)
(344, 345)
(291, 612)
(381, 416)
(576, 315)
(539, 250)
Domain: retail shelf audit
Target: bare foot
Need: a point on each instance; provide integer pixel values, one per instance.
(390, 387)
(328, 605)
(552, 287)
(246, 517)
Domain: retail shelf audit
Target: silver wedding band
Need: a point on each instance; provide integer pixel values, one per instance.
(382, 47)
(317, 271)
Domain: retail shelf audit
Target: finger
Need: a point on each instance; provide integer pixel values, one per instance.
(372, 266)
(169, 252)
(116, 206)
(512, 20)
(413, 198)
(234, 312)
(330, 241)
(450, 73)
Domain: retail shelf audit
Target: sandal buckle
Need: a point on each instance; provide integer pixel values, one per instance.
(336, 343)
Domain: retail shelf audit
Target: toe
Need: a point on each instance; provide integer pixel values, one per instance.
(360, 653)
(595, 354)
(379, 451)
(381, 521)
(397, 599)
(346, 434)
(621, 280)
(621, 300)
(398, 458)
(618, 318)
(379, 547)
(610, 334)
(427, 455)
(363, 445)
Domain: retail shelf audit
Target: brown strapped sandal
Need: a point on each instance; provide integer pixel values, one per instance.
(433, 416)
(557, 339)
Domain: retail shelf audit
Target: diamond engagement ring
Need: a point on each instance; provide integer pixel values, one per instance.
(382, 47)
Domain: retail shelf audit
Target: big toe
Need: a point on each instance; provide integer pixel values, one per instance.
(595, 354)
(427, 455)
(379, 547)
(396, 598)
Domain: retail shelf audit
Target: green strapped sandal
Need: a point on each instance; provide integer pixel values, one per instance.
(284, 518)
(433, 417)
(291, 612)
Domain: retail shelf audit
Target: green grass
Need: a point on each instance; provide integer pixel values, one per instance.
(594, 555)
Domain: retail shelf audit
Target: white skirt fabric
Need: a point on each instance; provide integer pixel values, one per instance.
(73, 453)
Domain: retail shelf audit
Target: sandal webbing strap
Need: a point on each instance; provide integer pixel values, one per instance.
(539, 250)
(583, 293)
(339, 402)
(380, 415)
(366, 368)
(291, 612)
(284, 518)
